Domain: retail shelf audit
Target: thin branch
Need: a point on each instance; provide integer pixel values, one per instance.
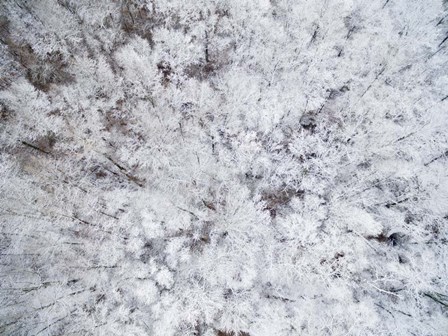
(51, 324)
(441, 20)
(376, 78)
(436, 297)
(378, 305)
(108, 215)
(35, 147)
(188, 211)
(444, 40)
(436, 158)
(405, 137)
(384, 291)
(125, 172)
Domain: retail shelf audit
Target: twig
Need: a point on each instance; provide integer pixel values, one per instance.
(393, 203)
(125, 173)
(436, 158)
(444, 40)
(35, 147)
(385, 291)
(405, 137)
(378, 305)
(441, 20)
(53, 323)
(279, 298)
(376, 78)
(188, 211)
(108, 215)
(436, 298)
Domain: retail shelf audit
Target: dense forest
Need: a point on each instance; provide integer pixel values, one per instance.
(224, 168)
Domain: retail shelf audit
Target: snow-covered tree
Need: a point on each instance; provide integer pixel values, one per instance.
(223, 167)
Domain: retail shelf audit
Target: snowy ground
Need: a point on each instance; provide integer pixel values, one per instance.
(224, 168)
